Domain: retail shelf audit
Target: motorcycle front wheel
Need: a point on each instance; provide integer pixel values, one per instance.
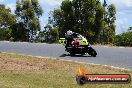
(92, 52)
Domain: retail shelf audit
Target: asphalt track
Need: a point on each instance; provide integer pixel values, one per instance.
(111, 56)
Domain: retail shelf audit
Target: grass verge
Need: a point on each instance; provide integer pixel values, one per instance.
(18, 71)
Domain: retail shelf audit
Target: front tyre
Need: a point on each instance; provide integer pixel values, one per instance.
(92, 52)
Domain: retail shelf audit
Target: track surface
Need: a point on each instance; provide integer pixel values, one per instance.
(112, 56)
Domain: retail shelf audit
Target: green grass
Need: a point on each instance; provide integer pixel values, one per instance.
(18, 71)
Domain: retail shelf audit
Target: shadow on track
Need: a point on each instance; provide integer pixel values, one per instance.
(77, 55)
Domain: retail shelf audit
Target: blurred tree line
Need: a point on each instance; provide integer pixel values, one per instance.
(24, 24)
(50, 34)
(6, 20)
(91, 18)
(88, 17)
(124, 39)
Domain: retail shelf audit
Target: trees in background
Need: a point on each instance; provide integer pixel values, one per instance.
(130, 29)
(124, 39)
(87, 17)
(76, 15)
(109, 22)
(98, 24)
(6, 20)
(28, 13)
(24, 25)
(50, 34)
(6, 34)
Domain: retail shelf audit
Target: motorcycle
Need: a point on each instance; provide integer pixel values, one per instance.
(79, 45)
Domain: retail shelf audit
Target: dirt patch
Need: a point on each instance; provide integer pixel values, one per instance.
(20, 64)
(16, 64)
(13, 62)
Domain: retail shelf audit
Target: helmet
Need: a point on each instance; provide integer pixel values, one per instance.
(69, 32)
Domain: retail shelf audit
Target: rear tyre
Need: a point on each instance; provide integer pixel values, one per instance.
(72, 54)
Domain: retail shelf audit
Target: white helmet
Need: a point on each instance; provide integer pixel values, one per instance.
(69, 32)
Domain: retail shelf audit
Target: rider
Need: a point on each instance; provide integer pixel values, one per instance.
(69, 38)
